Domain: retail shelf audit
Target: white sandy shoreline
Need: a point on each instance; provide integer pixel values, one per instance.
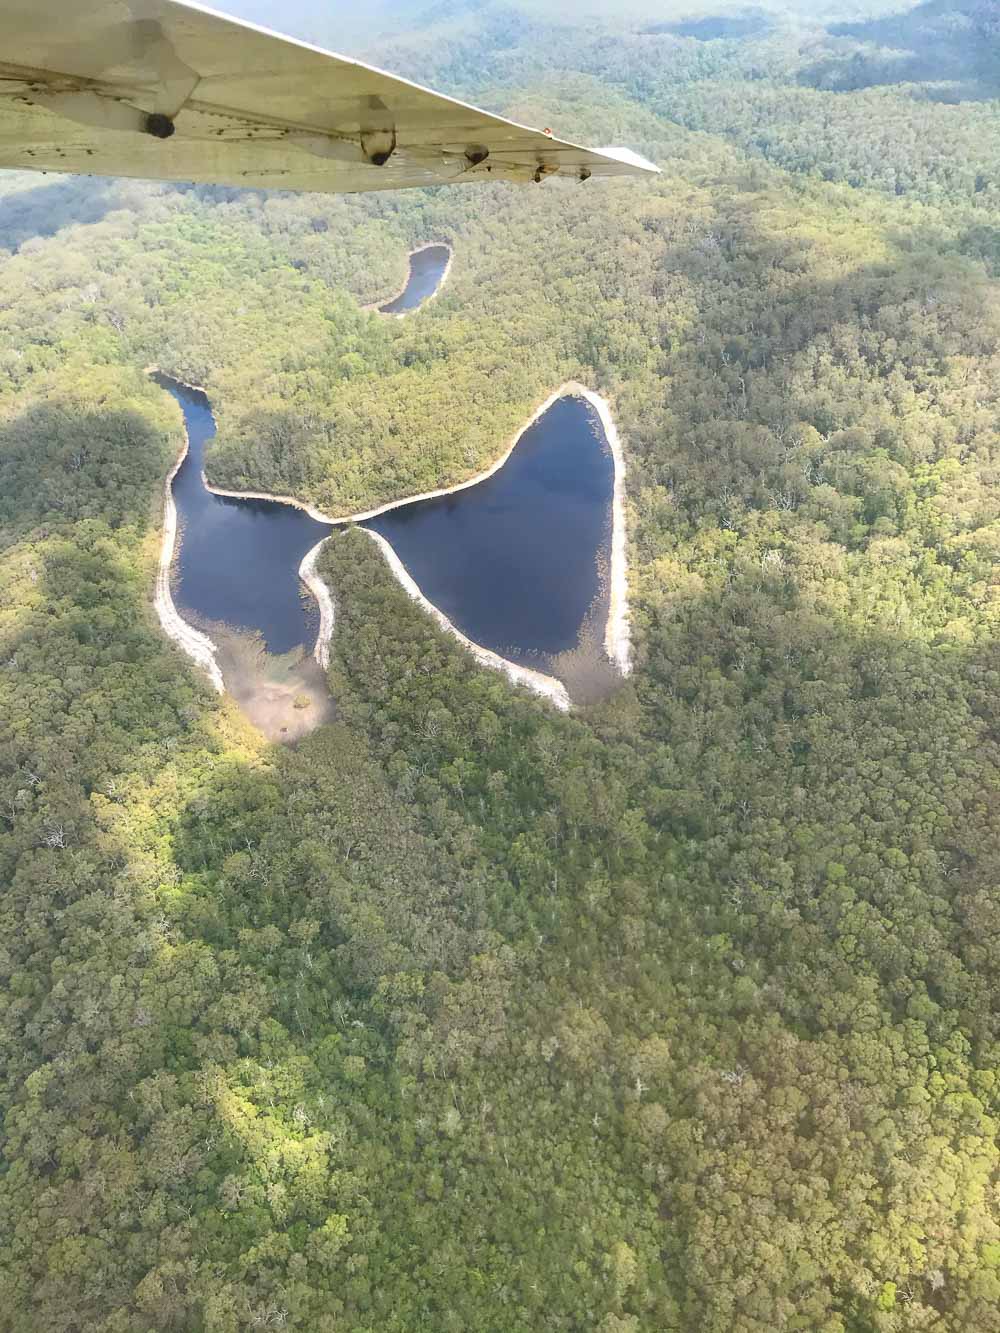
(324, 597)
(198, 646)
(617, 639)
(617, 633)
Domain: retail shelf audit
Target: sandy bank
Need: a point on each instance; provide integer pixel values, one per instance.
(198, 646)
(617, 634)
(306, 508)
(310, 577)
(284, 696)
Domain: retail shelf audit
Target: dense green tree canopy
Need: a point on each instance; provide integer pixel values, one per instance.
(680, 1012)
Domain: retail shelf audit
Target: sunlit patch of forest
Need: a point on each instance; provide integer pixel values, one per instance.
(680, 1012)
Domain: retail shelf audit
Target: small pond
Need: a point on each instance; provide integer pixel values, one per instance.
(427, 268)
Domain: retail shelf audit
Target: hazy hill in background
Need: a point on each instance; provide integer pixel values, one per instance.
(338, 25)
(953, 48)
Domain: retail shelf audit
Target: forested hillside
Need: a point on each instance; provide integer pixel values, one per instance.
(681, 1012)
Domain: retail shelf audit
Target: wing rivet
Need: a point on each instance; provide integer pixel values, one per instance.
(160, 127)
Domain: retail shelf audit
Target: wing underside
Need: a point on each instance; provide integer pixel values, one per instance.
(170, 91)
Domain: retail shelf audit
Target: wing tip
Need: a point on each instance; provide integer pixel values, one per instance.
(630, 158)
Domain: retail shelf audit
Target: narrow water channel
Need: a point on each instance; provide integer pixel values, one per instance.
(237, 560)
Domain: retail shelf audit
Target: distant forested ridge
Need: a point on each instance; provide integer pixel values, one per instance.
(681, 1012)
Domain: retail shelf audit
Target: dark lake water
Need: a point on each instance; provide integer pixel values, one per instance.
(515, 562)
(426, 270)
(238, 560)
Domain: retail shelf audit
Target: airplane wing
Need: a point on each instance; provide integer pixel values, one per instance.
(173, 91)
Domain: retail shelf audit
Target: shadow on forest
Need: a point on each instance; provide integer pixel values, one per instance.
(779, 697)
(731, 27)
(42, 210)
(937, 43)
(111, 752)
(752, 336)
(982, 242)
(67, 460)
